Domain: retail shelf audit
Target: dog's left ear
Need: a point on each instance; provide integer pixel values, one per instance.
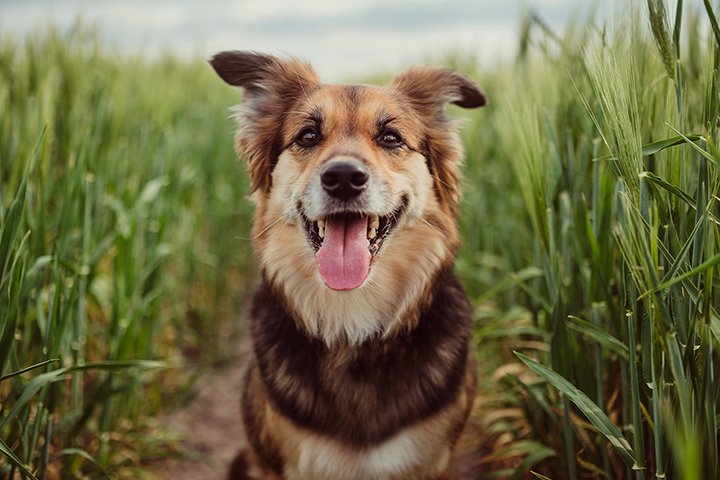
(431, 88)
(271, 86)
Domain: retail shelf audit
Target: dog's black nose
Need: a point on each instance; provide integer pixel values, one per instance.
(344, 179)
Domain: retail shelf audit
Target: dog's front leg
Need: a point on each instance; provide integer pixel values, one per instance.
(244, 467)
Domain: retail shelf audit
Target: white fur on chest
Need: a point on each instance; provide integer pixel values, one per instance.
(397, 457)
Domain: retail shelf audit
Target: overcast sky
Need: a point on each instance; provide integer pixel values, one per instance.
(343, 39)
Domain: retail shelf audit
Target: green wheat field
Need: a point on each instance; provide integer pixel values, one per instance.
(591, 250)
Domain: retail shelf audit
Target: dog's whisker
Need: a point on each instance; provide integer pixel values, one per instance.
(259, 234)
(440, 181)
(302, 87)
(432, 227)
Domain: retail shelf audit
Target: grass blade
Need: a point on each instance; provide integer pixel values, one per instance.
(713, 21)
(82, 453)
(30, 390)
(540, 476)
(536, 456)
(602, 337)
(9, 229)
(593, 413)
(711, 262)
(5, 450)
(655, 147)
(119, 365)
(695, 147)
(27, 369)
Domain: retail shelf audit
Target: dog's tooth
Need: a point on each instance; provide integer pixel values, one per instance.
(374, 222)
(321, 228)
(373, 226)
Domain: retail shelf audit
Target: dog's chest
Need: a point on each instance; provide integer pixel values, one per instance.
(366, 395)
(397, 458)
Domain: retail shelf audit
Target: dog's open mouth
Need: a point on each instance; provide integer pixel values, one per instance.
(345, 243)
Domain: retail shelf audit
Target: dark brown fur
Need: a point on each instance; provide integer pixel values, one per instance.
(363, 395)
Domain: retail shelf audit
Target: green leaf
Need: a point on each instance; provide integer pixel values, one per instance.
(680, 257)
(669, 187)
(5, 450)
(42, 380)
(540, 476)
(512, 279)
(533, 458)
(82, 453)
(681, 194)
(593, 413)
(520, 447)
(602, 337)
(12, 221)
(27, 369)
(119, 364)
(9, 230)
(30, 390)
(699, 269)
(702, 152)
(654, 147)
(713, 20)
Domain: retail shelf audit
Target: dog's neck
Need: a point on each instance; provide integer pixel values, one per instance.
(400, 281)
(364, 393)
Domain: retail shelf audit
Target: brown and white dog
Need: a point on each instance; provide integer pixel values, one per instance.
(361, 365)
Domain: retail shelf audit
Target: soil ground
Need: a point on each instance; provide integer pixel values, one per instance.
(210, 426)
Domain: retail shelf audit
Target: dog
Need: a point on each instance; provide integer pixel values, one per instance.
(361, 365)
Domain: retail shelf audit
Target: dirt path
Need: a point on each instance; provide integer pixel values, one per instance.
(210, 426)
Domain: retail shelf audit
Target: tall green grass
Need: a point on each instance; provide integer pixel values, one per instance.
(594, 186)
(121, 205)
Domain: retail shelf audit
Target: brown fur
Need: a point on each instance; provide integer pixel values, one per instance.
(377, 381)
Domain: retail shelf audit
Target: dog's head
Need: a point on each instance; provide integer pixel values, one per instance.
(356, 186)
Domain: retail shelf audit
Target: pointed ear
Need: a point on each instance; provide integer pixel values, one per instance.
(429, 87)
(256, 72)
(271, 86)
(428, 90)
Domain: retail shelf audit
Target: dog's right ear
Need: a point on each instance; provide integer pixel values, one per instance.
(271, 86)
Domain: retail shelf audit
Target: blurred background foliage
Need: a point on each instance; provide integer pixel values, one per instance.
(124, 270)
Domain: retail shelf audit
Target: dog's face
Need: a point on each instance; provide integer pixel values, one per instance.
(356, 187)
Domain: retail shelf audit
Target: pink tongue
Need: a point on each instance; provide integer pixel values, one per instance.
(344, 258)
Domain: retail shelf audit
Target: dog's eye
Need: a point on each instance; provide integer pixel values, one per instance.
(308, 137)
(390, 139)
